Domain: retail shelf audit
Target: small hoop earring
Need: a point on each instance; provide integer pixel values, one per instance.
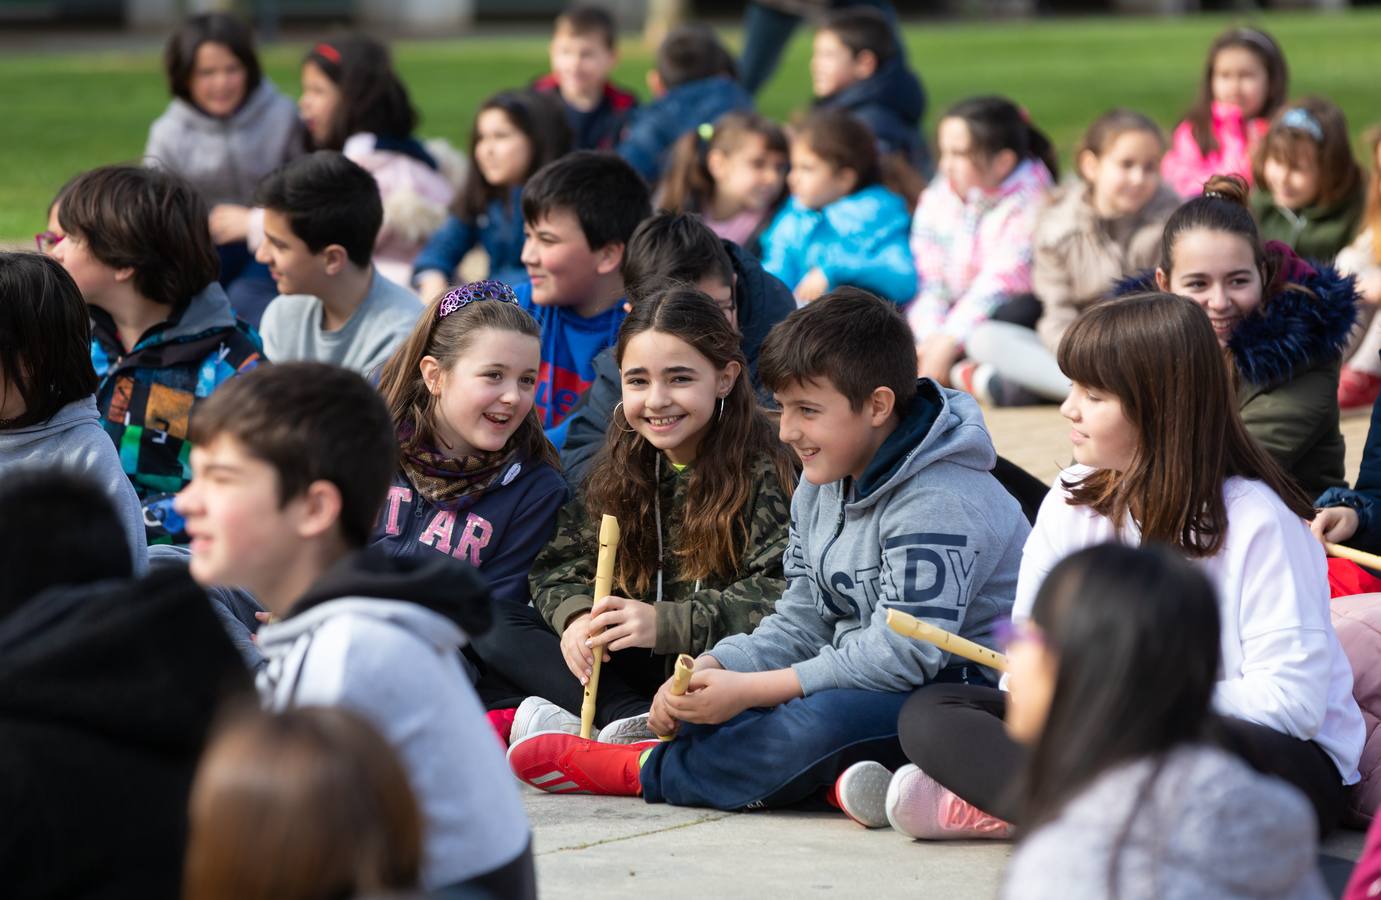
(615, 419)
(721, 408)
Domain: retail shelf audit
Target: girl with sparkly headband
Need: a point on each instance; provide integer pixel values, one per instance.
(1310, 193)
(1245, 82)
(353, 101)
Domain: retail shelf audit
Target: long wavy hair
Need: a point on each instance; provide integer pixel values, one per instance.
(413, 408)
(1157, 354)
(623, 481)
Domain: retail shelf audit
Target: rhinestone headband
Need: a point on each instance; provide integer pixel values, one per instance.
(474, 292)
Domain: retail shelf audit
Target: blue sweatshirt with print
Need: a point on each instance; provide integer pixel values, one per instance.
(570, 343)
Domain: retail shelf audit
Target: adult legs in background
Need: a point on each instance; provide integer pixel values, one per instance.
(766, 32)
(520, 656)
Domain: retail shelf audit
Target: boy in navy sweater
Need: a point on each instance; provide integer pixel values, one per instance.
(583, 53)
(578, 214)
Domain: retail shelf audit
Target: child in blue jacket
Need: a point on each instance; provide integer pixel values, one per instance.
(841, 225)
(515, 134)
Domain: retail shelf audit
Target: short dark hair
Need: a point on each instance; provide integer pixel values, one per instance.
(848, 337)
(311, 422)
(690, 53)
(45, 337)
(673, 247)
(57, 528)
(149, 220)
(605, 193)
(589, 20)
(863, 28)
(328, 199)
(844, 141)
(180, 54)
(372, 96)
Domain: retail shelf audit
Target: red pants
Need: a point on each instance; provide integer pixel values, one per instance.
(1346, 578)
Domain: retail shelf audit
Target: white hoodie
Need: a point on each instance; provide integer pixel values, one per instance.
(1282, 664)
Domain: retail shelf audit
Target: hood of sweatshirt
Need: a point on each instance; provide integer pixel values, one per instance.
(143, 663)
(429, 594)
(763, 301)
(74, 415)
(940, 424)
(185, 338)
(893, 86)
(1294, 329)
(255, 116)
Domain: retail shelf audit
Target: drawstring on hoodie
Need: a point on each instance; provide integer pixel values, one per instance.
(657, 511)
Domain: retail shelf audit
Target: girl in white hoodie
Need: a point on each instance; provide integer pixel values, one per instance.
(1162, 456)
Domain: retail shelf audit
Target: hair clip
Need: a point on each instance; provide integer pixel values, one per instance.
(1216, 195)
(327, 52)
(1300, 119)
(474, 292)
(706, 131)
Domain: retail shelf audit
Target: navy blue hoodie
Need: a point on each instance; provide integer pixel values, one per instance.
(498, 532)
(892, 103)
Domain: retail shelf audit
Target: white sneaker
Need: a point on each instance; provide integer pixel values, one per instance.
(632, 730)
(862, 793)
(536, 714)
(922, 809)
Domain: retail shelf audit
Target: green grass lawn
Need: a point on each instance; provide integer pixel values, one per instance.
(66, 112)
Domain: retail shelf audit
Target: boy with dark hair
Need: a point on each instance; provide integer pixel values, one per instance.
(583, 53)
(857, 65)
(578, 213)
(322, 214)
(290, 471)
(164, 337)
(897, 509)
(678, 247)
(108, 688)
(694, 82)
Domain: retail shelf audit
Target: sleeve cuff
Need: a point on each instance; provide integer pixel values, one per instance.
(732, 657)
(816, 674)
(569, 609)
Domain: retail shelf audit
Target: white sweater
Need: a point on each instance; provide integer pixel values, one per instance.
(1282, 664)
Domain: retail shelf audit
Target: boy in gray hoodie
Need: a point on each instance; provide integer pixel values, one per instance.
(289, 473)
(897, 509)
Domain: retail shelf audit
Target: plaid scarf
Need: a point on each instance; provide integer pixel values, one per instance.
(448, 483)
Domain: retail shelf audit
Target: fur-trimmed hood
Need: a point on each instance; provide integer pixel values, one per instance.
(1294, 329)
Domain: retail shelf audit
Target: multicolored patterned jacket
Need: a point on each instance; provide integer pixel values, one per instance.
(146, 396)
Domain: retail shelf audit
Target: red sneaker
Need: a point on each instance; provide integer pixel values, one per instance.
(561, 763)
(1357, 389)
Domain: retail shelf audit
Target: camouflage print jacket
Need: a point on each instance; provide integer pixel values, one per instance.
(688, 620)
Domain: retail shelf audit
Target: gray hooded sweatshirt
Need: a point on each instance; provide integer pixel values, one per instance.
(226, 158)
(1208, 826)
(73, 440)
(927, 530)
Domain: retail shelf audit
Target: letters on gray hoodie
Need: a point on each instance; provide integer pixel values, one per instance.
(927, 530)
(74, 442)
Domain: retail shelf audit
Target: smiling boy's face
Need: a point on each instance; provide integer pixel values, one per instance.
(831, 438)
(563, 269)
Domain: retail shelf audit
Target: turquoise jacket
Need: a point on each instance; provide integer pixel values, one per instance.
(859, 240)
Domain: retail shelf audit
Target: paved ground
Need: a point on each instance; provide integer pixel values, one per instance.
(613, 847)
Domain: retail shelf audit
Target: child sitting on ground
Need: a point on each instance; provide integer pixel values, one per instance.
(578, 214)
(842, 226)
(857, 65)
(732, 172)
(897, 510)
(478, 479)
(1310, 193)
(48, 414)
(1245, 82)
(321, 216)
(163, 335)
(1162, 457)
(1097, 229)
(515, 134)
(583, 53)
(1112, 682)
(694, 82)
(290, 471)
(353, 101)
(701, 489)
(972, 235)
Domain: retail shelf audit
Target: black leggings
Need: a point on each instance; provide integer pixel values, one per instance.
(520, 656)
(955, 733)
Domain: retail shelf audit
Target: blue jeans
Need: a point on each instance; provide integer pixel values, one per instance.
(775, 757)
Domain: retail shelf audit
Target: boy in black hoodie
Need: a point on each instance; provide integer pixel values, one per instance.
(857, 65)
(290, 471)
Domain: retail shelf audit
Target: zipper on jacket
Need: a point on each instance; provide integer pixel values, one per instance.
(838, 530)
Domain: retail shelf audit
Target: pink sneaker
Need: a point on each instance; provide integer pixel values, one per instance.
(920, 808)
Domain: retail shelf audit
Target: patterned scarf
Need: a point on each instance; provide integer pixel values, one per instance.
(449, 483)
